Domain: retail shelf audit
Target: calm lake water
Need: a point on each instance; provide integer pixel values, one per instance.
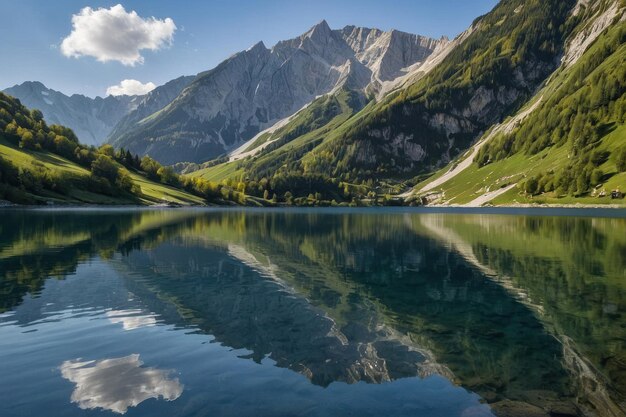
(381, 312)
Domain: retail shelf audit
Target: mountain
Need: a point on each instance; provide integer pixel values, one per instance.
(150, 103)
(481, 84)
(568, 142)
(252, 90)
(94, 119)
(527, 105)
(498, 64)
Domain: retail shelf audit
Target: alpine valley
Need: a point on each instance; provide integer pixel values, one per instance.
(338, 221)
(526, 106)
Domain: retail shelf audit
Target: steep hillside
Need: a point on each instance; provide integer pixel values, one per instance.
(254, 89)
(265, 165)
(505, 56)
(267, 152)
(569, 142)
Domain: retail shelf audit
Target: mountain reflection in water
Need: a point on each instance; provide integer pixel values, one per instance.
(527, 312)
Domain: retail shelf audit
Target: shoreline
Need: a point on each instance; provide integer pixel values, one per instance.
(538, 205)
(581, 206)
(577, 206)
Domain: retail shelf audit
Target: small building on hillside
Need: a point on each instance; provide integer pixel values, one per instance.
(615, 194)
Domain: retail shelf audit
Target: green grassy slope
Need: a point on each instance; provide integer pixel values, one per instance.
(280, 167)
(46, 164)
(291, 142)
(151, 191)
(568, 149)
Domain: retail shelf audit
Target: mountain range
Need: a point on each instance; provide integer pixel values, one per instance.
(527, 103)
(526, 106)
(254, 89)
(93, 119)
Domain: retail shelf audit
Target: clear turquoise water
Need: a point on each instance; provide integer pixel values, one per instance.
(312, 313)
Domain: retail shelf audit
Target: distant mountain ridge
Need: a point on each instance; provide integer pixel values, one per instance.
(253, 89)
(94, 119)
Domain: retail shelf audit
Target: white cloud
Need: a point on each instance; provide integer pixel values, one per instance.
(118, 383)
(116, 35)
(130, 88)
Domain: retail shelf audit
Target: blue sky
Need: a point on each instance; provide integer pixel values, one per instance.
(206, 33)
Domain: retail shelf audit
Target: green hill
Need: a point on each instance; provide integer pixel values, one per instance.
(47, 164)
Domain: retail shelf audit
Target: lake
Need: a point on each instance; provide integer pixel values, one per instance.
(312, 312)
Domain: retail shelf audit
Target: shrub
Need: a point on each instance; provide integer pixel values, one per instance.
(9, 173)
(28, 140)
(168, 176)
(107, 150)
(124, 181)
(150, 167)
(64, 147)
(105, 167)
(596, 177)
(531, 186)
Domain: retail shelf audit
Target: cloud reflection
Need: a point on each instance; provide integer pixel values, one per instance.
(117, 384)
(131, 319)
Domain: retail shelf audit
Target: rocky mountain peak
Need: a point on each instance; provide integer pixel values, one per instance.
(259, 46)
(256, 88)
(360, 38)
(32, 85)
(321, 31)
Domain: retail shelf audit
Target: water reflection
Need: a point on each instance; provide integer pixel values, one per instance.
(227, 298)
(527, 312)
(131, 319)
(572, 274)
(118, 383)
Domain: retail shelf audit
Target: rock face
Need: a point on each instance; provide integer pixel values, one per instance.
(253, 89)
(152, 102)
(92, 119)
(389, 54)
